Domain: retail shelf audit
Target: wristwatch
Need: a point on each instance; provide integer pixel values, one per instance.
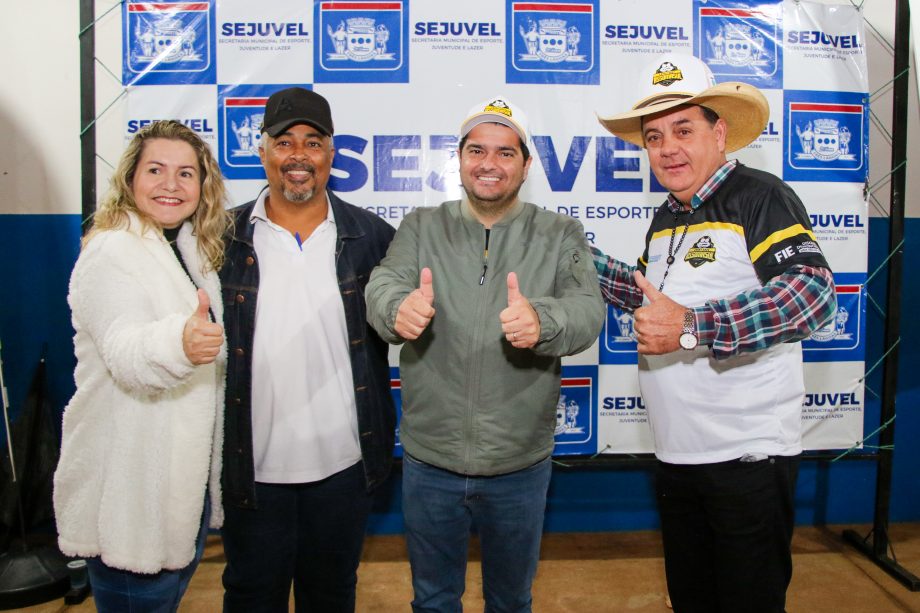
(688, 338)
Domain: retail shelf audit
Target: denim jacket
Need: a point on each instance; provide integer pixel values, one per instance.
(361, 243)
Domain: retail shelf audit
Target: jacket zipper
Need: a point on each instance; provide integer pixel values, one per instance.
(485, 259)
(474, 368)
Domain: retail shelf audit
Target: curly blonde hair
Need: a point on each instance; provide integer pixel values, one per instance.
(210, 221)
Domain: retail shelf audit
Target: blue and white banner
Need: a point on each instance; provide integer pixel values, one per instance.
(827, 136)
(168, 43)
(741, 41)
(576, 411)
(361, 42)
(552, 42)
(400, 76)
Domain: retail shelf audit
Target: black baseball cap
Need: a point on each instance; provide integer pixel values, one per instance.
(295, 105)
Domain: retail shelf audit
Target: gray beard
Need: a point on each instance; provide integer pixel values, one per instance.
(293, 196)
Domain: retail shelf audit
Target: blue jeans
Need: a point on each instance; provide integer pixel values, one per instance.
(308, 533)
(123, 591)
(440, 507)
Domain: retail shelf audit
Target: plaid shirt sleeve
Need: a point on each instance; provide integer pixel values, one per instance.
(787, 309)
(618, 287)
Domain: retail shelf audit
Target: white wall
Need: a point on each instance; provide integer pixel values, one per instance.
(881, 14)
(40, 105)
(40, 109)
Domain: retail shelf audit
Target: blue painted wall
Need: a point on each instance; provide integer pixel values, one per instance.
(38, 252)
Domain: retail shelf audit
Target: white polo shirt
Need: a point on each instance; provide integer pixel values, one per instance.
(304, 419)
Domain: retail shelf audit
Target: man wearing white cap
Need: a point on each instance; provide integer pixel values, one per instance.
(730, 281)
(486, 293)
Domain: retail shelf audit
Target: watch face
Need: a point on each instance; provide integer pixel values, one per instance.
(688, 341)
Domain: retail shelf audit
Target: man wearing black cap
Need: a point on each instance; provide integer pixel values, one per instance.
(309, 421)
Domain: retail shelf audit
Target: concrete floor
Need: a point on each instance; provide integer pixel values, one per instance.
(622, 571)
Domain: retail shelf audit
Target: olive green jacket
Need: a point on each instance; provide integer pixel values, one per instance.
(471, 402)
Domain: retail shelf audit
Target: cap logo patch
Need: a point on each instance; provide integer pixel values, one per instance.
(498, 106)
(667, 74)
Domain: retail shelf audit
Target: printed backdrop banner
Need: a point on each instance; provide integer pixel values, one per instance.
(402, 74)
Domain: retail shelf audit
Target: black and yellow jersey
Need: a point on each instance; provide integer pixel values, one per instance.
(753, 217)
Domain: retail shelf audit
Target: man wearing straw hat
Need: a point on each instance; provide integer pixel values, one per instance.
(486, 294)
(730, 281)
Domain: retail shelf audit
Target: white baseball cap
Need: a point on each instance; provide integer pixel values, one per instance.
(497, 109)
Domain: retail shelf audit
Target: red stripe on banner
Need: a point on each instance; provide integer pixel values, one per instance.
(833, 108)
(848, 289)
(361, 6)
(175, 7)
(559, 8)
(726, 12)
(573, 381)
(246, 101)
(395, 384)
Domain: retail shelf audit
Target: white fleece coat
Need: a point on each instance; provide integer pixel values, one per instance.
(142, 436)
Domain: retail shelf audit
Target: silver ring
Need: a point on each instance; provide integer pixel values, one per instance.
(514, 336)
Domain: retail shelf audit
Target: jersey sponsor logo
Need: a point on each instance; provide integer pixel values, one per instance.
(784, 254)
(552, 42)
(362, 42)
(701, 252)
(805, 247)
(826, 136)
(168, 42)
(739, 42)
(808, 247)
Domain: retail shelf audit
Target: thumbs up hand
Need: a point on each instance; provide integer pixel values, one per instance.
(201, 338)
(416, 310)
(658, 325)
(520, 321)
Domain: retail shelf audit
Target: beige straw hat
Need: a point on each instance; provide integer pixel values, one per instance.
(675, 79)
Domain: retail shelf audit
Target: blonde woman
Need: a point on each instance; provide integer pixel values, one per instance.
(138, 482)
